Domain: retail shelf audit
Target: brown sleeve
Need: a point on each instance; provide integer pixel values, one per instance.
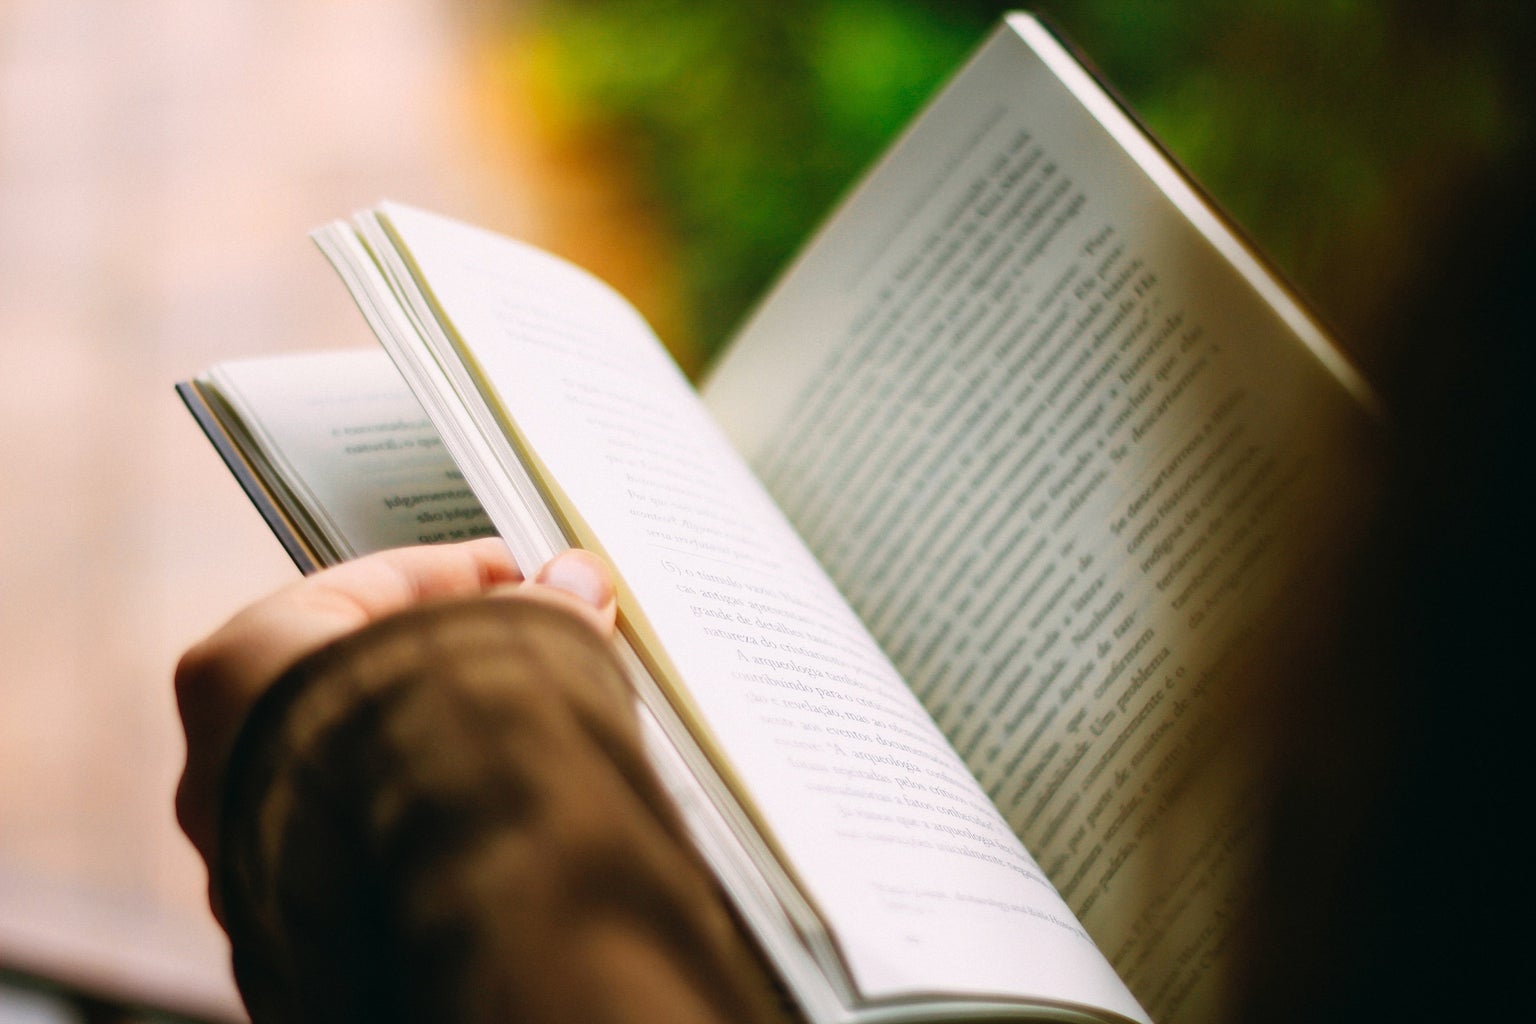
(448, 817)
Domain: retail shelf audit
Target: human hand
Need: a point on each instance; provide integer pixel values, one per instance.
(219, 679)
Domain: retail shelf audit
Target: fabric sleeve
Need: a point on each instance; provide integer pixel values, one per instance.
(448, 816)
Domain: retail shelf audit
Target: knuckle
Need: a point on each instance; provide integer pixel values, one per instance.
(189, 671)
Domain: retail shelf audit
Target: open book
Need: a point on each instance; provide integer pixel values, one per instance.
(937, 594)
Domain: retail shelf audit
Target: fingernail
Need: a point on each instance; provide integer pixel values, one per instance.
(579, 574)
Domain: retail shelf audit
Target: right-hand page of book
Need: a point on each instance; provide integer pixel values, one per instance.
(1062, 442)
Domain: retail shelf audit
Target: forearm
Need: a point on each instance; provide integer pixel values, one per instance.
(448, 816)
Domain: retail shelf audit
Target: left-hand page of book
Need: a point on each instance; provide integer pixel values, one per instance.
(343, 447)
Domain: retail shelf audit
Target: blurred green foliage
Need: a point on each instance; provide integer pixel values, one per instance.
(1336, 131)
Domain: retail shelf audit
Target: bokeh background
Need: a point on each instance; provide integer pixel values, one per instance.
(161, 161)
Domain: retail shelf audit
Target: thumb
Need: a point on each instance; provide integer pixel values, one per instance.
(578, 581)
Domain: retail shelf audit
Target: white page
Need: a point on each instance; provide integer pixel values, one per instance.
(924, 888)
(344, 431)
(1046, 438)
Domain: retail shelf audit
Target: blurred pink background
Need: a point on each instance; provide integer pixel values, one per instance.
(160, 164)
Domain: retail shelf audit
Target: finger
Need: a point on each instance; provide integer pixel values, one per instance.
(391, 581)
(261, 641)
(582, 581)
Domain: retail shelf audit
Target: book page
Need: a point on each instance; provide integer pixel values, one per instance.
(1052, 445)
(344, 435)
(924, 890)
